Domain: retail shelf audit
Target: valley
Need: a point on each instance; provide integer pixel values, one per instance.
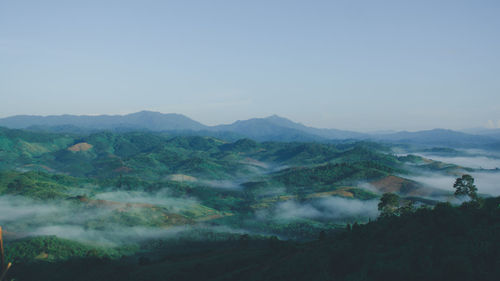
(65, 196)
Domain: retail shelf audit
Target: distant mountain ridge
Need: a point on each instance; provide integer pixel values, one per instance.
(153, 121)
(276, 127)
(492, 133)
(262, 129)
(272, 128)
(438, 137)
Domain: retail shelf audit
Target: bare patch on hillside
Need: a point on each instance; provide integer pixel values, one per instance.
(82, 146)
(182, 178)
(404, 186)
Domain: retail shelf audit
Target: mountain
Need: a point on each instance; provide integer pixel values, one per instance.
(438, 137)
(493, 133)
(272, 128)
(153, 121)
(279, 128)
(262, 129)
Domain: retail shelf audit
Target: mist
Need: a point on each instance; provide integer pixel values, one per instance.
(475, 162)
(13, 208)
(161, 198)
(76, 221)
(486, 182)
(335, 208)
(104, 220)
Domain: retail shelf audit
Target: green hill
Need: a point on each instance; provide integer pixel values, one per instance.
(444, 243)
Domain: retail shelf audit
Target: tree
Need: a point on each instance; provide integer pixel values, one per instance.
(464, 186)
(389, 204)
(407, 208)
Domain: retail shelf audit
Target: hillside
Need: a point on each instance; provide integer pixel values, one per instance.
(156, 180)
(446, 243)
(152, 201)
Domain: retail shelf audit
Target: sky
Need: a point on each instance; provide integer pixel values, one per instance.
(357, 65)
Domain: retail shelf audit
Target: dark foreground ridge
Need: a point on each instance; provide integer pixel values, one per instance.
(443, 243)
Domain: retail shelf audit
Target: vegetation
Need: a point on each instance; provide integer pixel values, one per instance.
(444, 243)
(389, 204)
(464, 186)
(153, 206)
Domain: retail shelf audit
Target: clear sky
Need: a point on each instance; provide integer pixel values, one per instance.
(359, 65)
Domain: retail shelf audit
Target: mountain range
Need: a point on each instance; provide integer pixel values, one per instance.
(272, 128)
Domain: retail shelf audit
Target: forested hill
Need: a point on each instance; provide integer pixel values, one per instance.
(156, 206)
(444, 243)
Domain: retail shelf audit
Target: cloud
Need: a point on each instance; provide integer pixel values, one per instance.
(493, 125)
(369, 187)
(82, 222)
(480, 160)
(13, 208)
(325, 208)
(486, 182)
(112, 235)
(98, 225)
(161, 198)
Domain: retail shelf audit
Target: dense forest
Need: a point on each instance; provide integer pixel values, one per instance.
(159, 206)
(442, 243)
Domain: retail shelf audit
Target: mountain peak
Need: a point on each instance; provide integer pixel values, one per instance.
(282, 121)
(274, 116)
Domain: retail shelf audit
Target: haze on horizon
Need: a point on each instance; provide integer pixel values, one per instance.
(356, 65)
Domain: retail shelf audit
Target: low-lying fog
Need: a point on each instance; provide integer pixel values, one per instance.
(24, 217)
(100, 224)
(334, 208)
(475, 162)
(487, 182)
(104, 225)
(160, 198)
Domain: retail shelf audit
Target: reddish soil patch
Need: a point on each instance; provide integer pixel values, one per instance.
(82, 146)
(403, 186)
(389, 184)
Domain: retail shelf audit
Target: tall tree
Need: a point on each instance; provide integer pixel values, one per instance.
(464, 186)
(389, 204)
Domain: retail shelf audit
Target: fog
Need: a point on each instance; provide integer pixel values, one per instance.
(116, 235)
(368, 186)
(486, 182)
(324, 208)
(161, 198)
(96, 225)
(475, 162)
(133, 216)
(81, 222)
(113, 235)
(14, 208)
